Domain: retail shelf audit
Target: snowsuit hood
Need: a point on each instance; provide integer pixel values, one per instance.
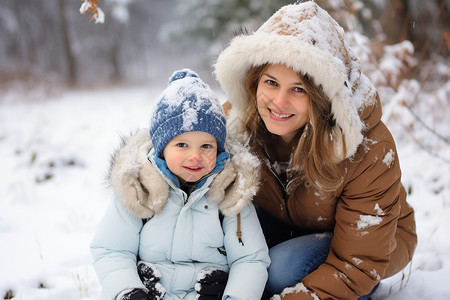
(144, 191)
(307, 39)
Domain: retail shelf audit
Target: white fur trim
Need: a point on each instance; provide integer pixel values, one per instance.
(143, 191)
(237, 184)
(131, 171)
(327, 69)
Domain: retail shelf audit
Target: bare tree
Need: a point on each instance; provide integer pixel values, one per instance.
(70, 59)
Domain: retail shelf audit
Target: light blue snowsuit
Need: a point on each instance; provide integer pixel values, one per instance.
(185, 236)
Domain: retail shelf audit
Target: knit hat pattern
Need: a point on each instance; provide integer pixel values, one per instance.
(187, 104)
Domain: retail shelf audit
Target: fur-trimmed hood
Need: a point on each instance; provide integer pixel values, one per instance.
(306, 38)
(143, 191)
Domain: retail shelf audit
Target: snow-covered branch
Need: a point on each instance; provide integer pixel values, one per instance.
(92, 7)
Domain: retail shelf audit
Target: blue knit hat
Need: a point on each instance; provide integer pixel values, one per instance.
(187, 104)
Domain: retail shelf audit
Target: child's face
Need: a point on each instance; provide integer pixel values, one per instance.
(191, 155)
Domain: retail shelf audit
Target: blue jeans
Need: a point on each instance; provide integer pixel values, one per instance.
(296, 256)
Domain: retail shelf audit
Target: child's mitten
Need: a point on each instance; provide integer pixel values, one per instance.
(138, 294)
(211, 283)
(150, 277)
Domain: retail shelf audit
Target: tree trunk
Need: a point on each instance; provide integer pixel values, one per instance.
(395, 20)
(71, 64)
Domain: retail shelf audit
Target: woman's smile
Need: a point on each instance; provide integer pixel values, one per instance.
(279, 116)
(283, 103)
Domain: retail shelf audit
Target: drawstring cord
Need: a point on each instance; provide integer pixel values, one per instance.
(238, 232)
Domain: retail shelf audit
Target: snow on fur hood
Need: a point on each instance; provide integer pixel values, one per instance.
(143, 191)
(307, 39)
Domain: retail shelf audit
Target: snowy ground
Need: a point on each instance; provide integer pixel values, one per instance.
(54, 156)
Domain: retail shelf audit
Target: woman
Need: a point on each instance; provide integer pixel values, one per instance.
(331, 205)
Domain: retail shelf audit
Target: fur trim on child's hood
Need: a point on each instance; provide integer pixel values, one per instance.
(144, 192)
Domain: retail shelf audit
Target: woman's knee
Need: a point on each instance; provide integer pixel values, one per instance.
(294, 259)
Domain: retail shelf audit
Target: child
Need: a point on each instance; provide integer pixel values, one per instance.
(191, 221)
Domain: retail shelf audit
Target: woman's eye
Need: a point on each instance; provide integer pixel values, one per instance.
(271, 82)
(299, 90)
(182, 145)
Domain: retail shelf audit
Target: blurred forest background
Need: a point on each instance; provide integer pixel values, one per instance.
(50, 43)
(47, 47)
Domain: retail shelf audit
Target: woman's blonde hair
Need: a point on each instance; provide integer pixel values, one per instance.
(315, 159)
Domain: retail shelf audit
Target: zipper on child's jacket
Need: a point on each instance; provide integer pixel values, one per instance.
(186, 200)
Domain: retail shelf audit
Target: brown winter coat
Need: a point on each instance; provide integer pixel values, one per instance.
(373, 225)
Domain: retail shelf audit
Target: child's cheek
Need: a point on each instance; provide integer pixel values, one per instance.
(209, 160)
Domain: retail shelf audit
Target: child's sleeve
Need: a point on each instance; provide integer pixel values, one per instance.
(114, 249)
(248, 260)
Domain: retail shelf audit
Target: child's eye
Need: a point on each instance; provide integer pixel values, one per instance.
(182, 145)
(206, 146)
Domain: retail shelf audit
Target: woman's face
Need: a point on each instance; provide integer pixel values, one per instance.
(282, 101)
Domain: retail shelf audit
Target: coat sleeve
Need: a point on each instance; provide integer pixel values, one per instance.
(248, 261)
(114, 250)
(364, 234)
